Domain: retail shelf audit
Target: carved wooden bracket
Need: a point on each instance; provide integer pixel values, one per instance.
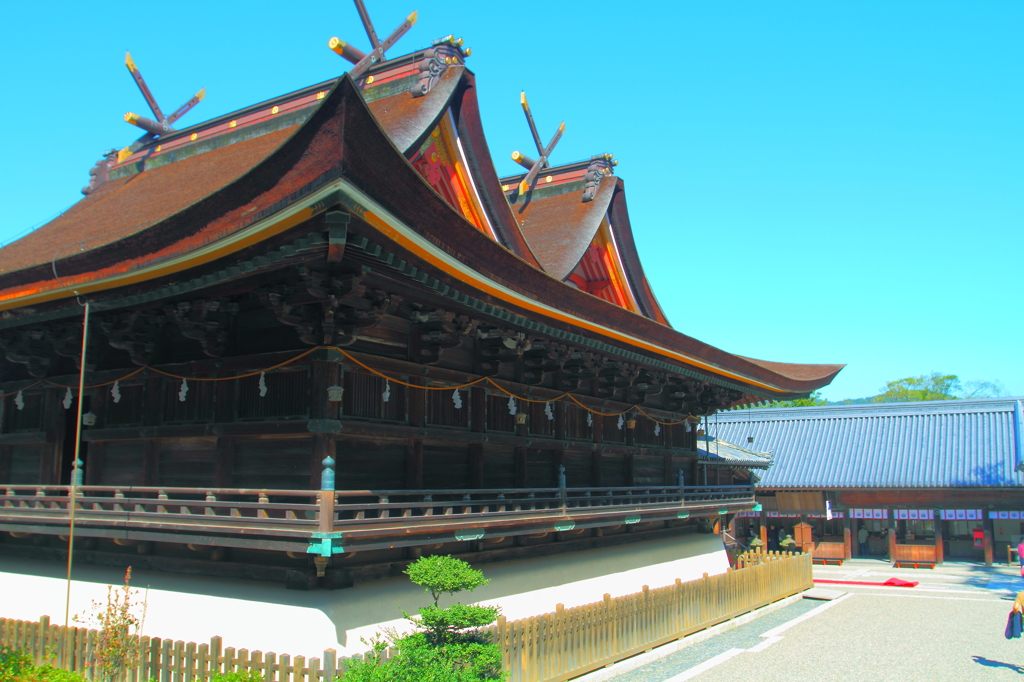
(205, 321)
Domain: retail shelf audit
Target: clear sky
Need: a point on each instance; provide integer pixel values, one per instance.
(807, 181)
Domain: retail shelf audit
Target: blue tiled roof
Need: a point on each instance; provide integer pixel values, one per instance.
(718, 450)
(946, 444)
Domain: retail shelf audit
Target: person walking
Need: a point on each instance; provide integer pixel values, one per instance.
(862, 538)
(773, 539)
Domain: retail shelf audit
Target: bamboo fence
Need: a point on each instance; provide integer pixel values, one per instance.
(548, 648)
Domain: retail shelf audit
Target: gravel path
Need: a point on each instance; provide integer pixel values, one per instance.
(950, 627)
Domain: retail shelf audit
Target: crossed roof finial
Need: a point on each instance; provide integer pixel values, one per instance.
(362, 60)
(162, 124)
(545, 152)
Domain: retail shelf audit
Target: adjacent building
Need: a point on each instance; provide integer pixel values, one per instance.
(928, 480)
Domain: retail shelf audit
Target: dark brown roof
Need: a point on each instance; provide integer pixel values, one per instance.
(407, 119)
(343, 139)
(796, 371)
(129, 205)
(560, 226)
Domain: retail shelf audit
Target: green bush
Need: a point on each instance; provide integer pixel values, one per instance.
(448, 645)
(17, 666)
(239, 676)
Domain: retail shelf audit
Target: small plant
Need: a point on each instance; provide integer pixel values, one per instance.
(120, 622)
(247, 675)
(17, 666)
(448, 645)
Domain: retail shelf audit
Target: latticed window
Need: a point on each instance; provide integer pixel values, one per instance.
(287, 395)
(199, 406)
(498, 416)
(29, 418)
(443, 411)
(364, 397)
(128, 411)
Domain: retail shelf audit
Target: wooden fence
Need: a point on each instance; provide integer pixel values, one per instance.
(548, 648)
(570, 642)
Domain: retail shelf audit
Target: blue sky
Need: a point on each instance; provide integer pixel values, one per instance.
(807, 181)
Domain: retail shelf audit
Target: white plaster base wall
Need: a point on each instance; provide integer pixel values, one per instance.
(266, 617)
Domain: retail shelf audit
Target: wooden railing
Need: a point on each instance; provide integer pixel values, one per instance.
(293, 515)
(548, 648)
(570, 642)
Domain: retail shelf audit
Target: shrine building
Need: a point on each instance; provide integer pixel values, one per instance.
(929, 481)
(322, 337)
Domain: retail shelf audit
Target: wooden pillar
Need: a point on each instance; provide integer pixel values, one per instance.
(324, 374)
(940, 546)
(519, 463)
(598, 429)
(414, 464)
(694, 477)
(891, 523)
(476, 465)
(595, 468)
(847, 536)
(477, 408)
(93, 474)
(560, 420)
(417, 403)
(225, 465)
(152, 414)
(5, 461)
(151, 463)
(52, 452)
(631, 468)
(988, 540)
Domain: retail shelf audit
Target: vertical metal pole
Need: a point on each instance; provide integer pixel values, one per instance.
(76, 470)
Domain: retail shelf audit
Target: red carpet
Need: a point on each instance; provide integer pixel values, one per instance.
(891, 582)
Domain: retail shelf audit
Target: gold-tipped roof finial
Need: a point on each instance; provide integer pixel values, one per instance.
(541, 163)
(364, 60)
(160, 125)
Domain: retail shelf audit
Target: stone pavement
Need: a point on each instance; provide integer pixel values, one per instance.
(950, 627)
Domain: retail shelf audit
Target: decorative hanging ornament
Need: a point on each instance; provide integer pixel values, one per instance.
(386, 395)
(590, 419)
(67, 399)
(657, 428)
(19, 401)
(457, 399)
(549, 412)
(622, 421)
(263, 384)
(511, 405)
(184, 390)
(115, 392)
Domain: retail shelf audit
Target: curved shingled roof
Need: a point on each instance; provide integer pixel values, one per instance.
(337, 146)
(936, 444)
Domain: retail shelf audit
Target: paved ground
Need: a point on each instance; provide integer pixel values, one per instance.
(950, 627)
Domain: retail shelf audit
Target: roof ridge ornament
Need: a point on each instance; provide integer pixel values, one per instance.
(600, 166)
(364, 61)
(545, 152)
(162, 124)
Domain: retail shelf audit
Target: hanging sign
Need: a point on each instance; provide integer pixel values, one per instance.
(1015, 515)
(902, 514)
(979, 537)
